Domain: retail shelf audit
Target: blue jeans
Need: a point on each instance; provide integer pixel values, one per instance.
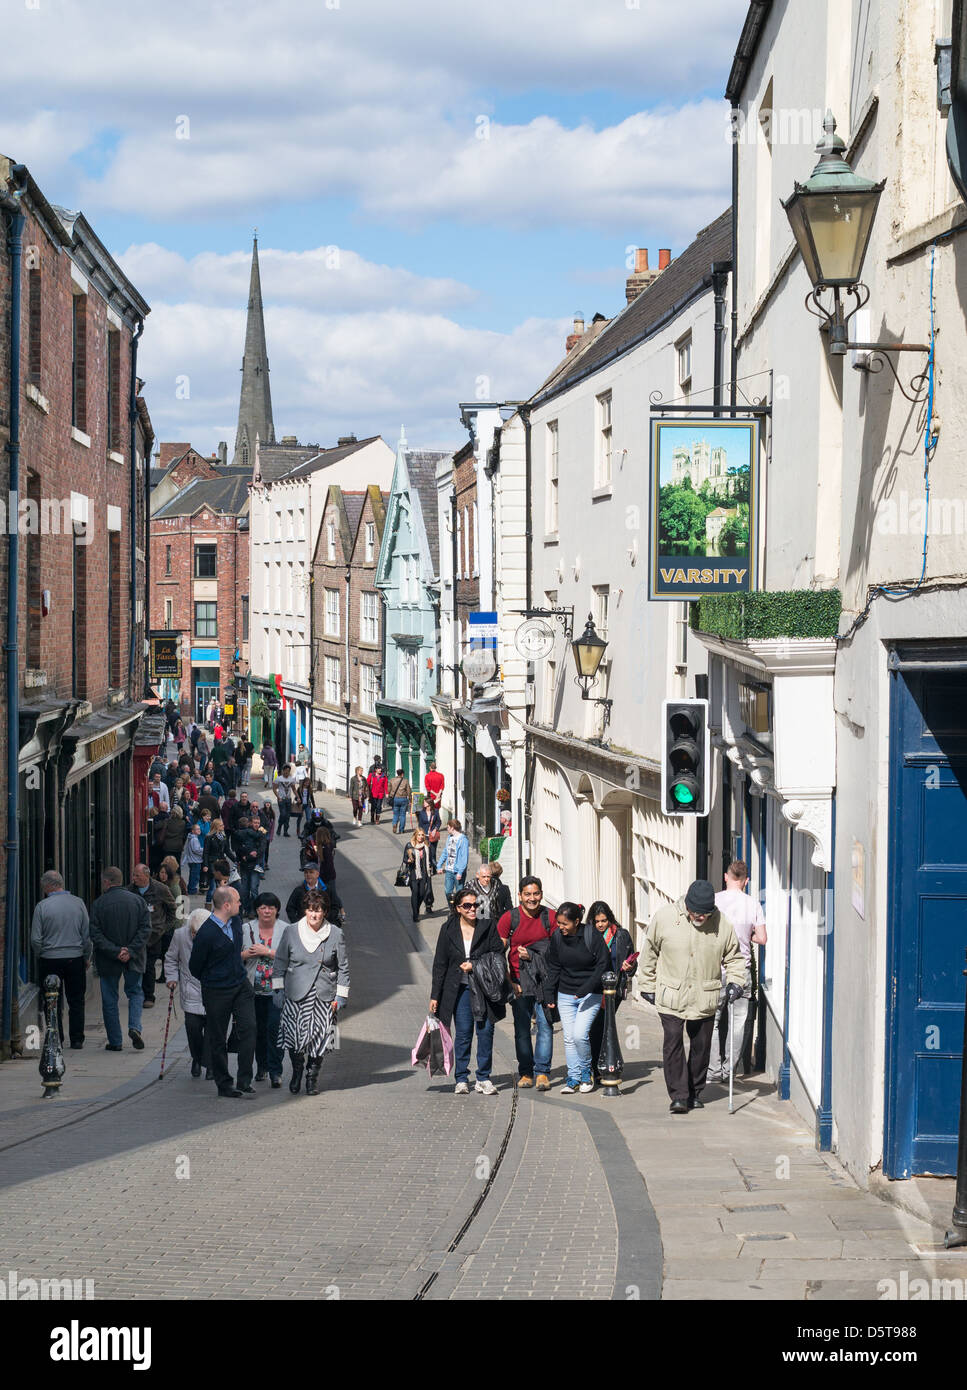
(524, 1010)
(249, 887)
(452, 881)
(110, 988)
(578, 1012)
(464, 1027)
(400, 805)
(194, 873)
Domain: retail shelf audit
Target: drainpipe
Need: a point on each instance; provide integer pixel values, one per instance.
(759, 1055)
(147, 584)
(349, 677)
(733, 366)
(785, 1068)
(10, 202)
(455, 627)
(523, 802)
(132, 425)
(720, 272)
(824, 1115)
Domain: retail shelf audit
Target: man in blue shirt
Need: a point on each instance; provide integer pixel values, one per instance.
(216, 962)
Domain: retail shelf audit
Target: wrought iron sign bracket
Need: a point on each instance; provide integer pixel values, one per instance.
(759, 407)
(879, 354)
(565, 616)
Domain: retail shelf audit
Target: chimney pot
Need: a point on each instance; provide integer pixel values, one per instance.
(641, 258)
(664, 258)
(579, 322)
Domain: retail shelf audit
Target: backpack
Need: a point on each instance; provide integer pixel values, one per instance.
(515, 923)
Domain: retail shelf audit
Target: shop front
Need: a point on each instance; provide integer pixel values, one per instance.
(409, 740)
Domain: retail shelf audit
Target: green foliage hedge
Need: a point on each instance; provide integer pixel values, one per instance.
(757, 617)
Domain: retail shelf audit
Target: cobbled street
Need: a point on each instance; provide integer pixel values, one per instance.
(358, 1193)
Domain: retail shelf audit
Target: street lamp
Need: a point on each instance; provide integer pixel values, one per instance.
(831, 216)
(588, 651)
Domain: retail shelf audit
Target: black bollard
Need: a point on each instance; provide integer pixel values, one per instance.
(957, 1235)
(52, 1065)
(610, 1063)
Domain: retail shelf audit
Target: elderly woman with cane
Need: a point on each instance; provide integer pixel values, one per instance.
(312, 967)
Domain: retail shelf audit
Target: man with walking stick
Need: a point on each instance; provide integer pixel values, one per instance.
(745, 914)
(687, 946)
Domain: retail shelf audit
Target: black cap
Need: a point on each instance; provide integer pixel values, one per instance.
(700, 897)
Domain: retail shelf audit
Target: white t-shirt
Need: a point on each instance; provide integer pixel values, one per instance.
(287, 782)
(745, 914)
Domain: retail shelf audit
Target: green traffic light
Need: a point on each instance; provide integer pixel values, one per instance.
(682, 794)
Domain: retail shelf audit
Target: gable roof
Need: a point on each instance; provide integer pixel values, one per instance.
(686, 277)
(323, 458)
(421, 468)
(276, 459)
(228, 495)
(354, 503)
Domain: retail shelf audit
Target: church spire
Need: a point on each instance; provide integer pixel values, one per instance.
(255, 400)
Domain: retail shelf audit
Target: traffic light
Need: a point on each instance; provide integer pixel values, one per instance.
(685, 758)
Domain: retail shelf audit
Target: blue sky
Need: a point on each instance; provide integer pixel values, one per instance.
(356, 124)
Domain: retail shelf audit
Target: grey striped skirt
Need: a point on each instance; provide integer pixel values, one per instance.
(307, 1025)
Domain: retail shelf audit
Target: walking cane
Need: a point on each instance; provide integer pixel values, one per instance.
(164, 1050)
(731, 1052)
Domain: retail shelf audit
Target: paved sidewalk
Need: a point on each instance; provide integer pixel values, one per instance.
(746, 1205)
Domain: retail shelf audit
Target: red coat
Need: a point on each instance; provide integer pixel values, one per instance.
(433, 782)
(377, 785)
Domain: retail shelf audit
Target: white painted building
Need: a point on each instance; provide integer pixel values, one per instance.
(287, 504)
(596, 827)
(843, 736)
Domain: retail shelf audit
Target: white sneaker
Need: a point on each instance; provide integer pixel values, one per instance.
(486, 1088)
(461, 1089)
(586, 1086)
(569, 1088)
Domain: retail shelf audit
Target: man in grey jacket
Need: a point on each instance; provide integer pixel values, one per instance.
(120, 926)
(60, 936)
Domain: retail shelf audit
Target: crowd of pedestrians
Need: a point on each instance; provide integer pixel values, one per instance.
(549, 966)
(266, 982)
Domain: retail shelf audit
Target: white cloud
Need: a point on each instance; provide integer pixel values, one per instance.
(325, 277)
(361, 373)
(373, 101)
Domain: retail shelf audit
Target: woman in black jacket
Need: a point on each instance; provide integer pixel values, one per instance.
(621, 946)
(417, 858)
(577, 958)
(463, 939)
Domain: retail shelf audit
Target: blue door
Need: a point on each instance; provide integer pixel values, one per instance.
(927, 921)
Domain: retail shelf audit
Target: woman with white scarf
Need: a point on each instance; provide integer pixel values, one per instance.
(312, 967)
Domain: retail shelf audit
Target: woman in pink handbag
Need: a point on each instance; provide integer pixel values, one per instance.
(463, 937)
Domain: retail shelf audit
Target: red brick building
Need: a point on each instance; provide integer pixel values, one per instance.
(199, 580)
(85, 443)
(347, 636)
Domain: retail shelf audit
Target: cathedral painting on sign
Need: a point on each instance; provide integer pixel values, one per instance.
(703, 507)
